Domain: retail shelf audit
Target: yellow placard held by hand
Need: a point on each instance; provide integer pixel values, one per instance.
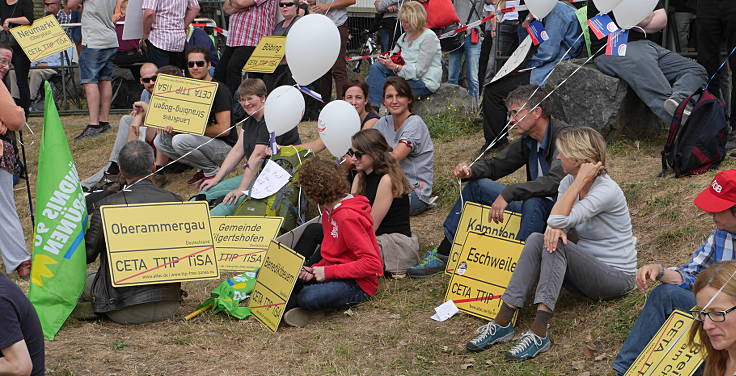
(159, 243)
(43, 38)
(274, 284)
(475, 219)
(267, 56)
(241, 242)
(182, 103)
(670, 351)
(483, 271)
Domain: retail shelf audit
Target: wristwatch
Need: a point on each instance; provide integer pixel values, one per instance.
(661, 272)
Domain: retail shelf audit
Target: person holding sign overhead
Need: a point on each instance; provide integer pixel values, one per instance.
(599, 264)
(133, 304)
(204, 153)
(715, 324)
(351, 259)
(253, 144)
(676, 283)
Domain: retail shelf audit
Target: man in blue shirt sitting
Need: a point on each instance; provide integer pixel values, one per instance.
(675, 290)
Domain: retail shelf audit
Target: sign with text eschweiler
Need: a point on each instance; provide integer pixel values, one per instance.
(43, 38)
(670, 351)
(483, 271)
(159, 243)
(241, 242)
(475, 219)
(274, 284)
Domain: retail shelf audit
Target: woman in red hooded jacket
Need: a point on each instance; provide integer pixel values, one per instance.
(351, 260)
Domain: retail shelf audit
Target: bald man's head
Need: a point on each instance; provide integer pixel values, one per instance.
(148, 75)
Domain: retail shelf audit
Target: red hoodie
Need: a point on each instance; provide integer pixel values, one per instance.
(349, 247)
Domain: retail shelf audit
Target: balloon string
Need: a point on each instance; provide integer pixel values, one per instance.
(127, 187)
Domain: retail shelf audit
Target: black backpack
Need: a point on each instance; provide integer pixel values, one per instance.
(699, 144)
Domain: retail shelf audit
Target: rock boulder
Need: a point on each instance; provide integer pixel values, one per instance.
(448, 96)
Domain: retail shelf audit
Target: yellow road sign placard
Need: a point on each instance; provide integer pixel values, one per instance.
(241, 242)
(670, 351)
(475, 219)
(180, 102)
(483, 271)
(159, 243)
(267, 56)
(274, 284)
(43, 38)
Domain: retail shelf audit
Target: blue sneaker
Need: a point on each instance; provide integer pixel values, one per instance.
(432, 263)
(490, 334)
(529, 346)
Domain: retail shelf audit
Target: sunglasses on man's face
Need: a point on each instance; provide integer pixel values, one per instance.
(355, 153)
(286, 4)
(48, 4)
(199, 63)
(149, 79)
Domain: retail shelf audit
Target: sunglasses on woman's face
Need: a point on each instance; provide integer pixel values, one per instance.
(149, 79)
(199, 63)
(355, 153)
(286, 4)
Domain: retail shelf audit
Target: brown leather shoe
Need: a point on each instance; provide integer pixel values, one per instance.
(24, 270)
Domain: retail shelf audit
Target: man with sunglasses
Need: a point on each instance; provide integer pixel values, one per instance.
(204, 153)
(675, 290)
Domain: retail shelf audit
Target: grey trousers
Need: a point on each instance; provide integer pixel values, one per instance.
(655, 74)
(12, 243)
(571, 265)
(135, 314)
(207, 157)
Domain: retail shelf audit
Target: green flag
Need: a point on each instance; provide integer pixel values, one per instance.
(59, 259)
(226, 297)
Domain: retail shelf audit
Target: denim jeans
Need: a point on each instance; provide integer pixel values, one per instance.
(329, 295)
(416, 205)
(534, 211)
(664, 299)
(377, 77)
(471, 52)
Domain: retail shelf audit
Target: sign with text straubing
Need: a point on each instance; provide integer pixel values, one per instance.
(483, 271)
(182, 103)
(159, 243)
(43, 38)
(475, 219)
(274, 284)
(241, 242)
(670, 351)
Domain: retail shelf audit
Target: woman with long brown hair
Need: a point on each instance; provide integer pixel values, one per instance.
(382, 181)
(715, 294)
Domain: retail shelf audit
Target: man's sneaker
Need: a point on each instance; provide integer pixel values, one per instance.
(529, 346)
(432, 263)
(489, 335)
(199, 176)
(300, 317)
(670, 106)
(92, 131)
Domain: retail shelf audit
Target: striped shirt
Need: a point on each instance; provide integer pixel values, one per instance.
(249, 25)
(167, 31)
(718, 247)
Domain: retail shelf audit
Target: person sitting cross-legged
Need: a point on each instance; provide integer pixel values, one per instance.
(534, 198)
(599, 264)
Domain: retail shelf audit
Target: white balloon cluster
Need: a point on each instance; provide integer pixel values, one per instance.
(312, 46)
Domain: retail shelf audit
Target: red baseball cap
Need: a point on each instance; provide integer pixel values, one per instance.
(720, 195)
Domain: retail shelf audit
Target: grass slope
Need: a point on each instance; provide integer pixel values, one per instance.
(392, 334)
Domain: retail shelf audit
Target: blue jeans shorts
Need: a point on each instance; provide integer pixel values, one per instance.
(95, 64)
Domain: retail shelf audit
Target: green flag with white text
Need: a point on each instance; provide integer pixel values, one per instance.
(58, 270)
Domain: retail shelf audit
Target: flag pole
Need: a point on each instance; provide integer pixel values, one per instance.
(28, 179)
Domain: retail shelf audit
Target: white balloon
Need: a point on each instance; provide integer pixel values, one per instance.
(284, 109)
(540, 8)
(338, 122)
(312, 47)
(605, 6)
(629, 13)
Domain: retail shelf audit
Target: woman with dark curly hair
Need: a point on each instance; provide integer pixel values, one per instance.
(351, 261)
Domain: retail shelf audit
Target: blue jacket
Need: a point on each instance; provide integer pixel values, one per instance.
(563, 28)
